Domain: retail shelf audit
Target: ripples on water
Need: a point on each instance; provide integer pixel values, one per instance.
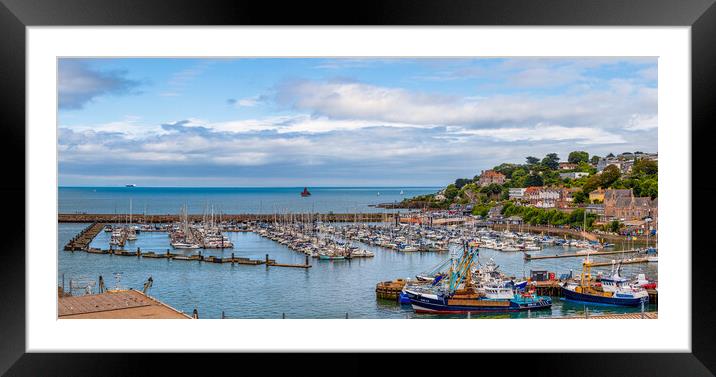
(329, 289)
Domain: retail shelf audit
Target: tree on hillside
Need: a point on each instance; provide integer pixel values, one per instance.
(643, 185)
(532, 160)
(609, 175)
(649, 187)
(451, 192)
(551, 161)
(519, 173)
(580, 197)
(533, 180)
(551, 177)
(645, 167)
(595, 159)
(506, 169)
(614, 226)
(491, 189)
(462, 182)
(586, 168)
(577, 157)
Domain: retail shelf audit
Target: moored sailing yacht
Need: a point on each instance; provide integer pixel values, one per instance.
(131, 231)
(182, 238)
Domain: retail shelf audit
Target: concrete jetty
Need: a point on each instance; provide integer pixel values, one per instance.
(82, 240)
(572, 255)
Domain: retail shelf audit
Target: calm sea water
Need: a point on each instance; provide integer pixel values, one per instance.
(329, 289)
(169, 200)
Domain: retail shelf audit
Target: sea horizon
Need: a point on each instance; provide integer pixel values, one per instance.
(255, 187)
(232, 200)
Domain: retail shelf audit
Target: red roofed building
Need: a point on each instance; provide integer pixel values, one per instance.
(567, 166)
(488, 177)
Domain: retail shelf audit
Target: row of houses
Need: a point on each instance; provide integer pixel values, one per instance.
(625, 161)
(544, 197)
(611, 204)
(488, 177)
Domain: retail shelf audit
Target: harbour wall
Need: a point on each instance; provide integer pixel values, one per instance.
(552, 231)
(140, 218)
(334, 217)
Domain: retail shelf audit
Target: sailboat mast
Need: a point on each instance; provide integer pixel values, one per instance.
(584, 226)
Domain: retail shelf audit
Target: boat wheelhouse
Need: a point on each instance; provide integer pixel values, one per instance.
(614, 290)
(459, 295)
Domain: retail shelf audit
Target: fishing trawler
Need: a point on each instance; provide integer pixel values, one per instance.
(458, 294)
(305, 192)
(615, 290)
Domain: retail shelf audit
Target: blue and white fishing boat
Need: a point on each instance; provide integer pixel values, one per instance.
(458, 295)
(615, 290)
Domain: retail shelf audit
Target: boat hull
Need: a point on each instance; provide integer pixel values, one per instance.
(403, 298)
(433, 304)
(326, 257)
(593, 299)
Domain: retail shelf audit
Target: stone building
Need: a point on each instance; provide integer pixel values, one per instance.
(622, 205)
(488, 177)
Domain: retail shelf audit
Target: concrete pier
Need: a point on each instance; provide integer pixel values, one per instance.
(82, 240)
(572, 255)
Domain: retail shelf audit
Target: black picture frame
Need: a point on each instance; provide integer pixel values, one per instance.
(16, 15)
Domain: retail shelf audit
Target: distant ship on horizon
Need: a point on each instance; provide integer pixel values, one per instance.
(305, 192)
(131, 185)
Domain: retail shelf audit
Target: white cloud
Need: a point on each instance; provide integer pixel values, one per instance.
(546, 132)
(651, 73)
(639, 122)
(348, 130)
(179, 80)
(79, 84)
(545, 77)
(303, 124)
(606, 108)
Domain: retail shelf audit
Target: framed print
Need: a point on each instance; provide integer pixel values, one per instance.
(463, 177)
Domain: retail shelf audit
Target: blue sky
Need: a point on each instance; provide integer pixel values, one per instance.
(341, 122)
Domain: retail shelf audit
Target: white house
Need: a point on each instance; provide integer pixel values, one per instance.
(517, 193)
(573, 175)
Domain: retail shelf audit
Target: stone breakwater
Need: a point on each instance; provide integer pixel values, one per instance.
(139, 218)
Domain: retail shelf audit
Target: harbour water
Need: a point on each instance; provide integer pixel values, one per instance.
(330, 289)
(169, 200)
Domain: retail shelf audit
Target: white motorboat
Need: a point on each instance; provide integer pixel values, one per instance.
(184, 245)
